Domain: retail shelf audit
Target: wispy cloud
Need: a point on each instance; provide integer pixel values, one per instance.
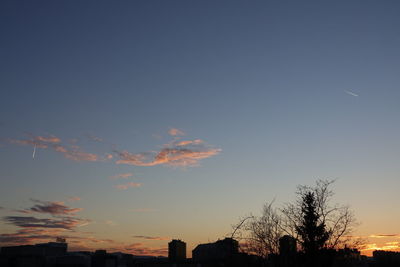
(72, 152)
(141, 249)
(175, 132)
(76, 153)
(67, 223)
(122, 176)
(38, 141)
(183, 153)
(390, 246)
(53, 208)
(127, 185)
(94, 138)
(383, 235)
(180, 153)
(74, 198)
(189, 142)
(350, 93)
(152, 237)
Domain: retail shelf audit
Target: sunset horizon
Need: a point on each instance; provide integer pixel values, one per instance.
(127, 124)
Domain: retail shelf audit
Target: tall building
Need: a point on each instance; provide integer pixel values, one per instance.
(176, 250)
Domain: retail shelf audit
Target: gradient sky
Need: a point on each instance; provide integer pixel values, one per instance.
(270, 94)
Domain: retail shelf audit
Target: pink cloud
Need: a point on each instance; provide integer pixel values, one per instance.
(168, 156)
(38, 141)
(122, 175)
(49, 139)
(127, 185)
(74, 198)
(28, 142)
(175, 132)
(189, 142)
(75, 153)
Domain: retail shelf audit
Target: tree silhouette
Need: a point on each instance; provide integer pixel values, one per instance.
(312, 233)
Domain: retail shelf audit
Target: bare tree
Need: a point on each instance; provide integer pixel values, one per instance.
(338, 219)
(259, 235)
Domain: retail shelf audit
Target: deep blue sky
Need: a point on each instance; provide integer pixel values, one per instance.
(290, 91)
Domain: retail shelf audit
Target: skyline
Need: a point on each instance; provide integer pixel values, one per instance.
(132, 123)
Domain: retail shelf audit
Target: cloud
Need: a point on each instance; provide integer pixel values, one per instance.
(75, 153)
(389, 246)
(36, 235)
(28, 142)
(127, 185)
(351, 93)
(189, 142)
(66, 223)
(184, 153)
(38, 141)
(141, 249)
(74, 198)
(28, 236)
(152, 237)
(53, 208)
(49, 139)
(122, 175)
(175, 132)
(94, 138)
(384, 235)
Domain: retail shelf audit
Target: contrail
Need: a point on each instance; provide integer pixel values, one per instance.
(34, 150)
(350, 93)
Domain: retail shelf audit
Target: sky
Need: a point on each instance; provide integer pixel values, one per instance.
(124, 124)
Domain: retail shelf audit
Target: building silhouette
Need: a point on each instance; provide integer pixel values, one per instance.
(220, 250)
(287, 245)
(176, 250)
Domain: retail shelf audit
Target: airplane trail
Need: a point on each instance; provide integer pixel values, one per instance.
(34, 151)
(350, 93)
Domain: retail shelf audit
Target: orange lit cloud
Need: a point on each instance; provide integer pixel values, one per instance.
(389, 246)
(38, 141)
(175, 132)
(152, 237)
(141, 249)
(75, 153)
(122, 176)
(384, 235)
(49, 139)
(74, 198)
(127, 185)
(189, 142)
(184, 153)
